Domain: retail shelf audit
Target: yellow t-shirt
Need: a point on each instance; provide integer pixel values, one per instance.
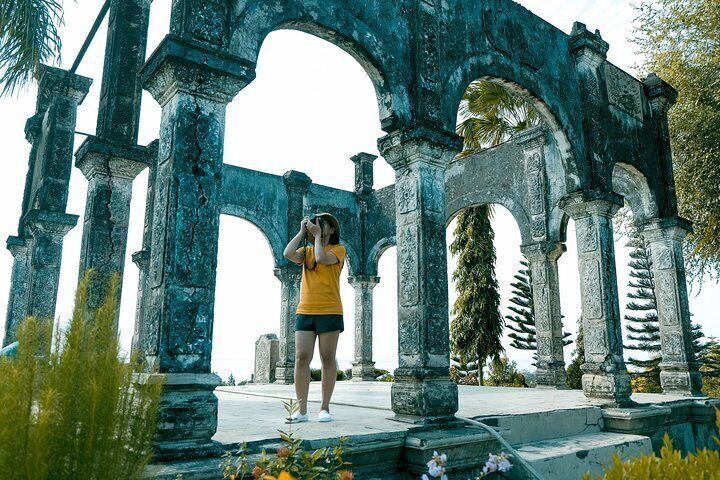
(320, 287)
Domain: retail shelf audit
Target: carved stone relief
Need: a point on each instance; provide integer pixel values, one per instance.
(624, 91)
(408, 258)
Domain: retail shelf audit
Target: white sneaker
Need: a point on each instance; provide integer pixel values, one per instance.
(324, 416)
(297, 417)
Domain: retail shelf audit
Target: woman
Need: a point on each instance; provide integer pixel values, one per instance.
(320, 312)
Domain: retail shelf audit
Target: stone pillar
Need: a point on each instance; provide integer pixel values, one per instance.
(47, 230)
(605, 377)
(543, 258)
(420, 156)
(679, 373)
(266, 357)
(363, 172)
(110, 170)
(289, 276)
(363, 366)
(17, 300)
(193, 84)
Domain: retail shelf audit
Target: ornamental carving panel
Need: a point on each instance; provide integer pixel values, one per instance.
(409, 336)
(587, 235)
(592, 291)
(595, 340)
(663, 257)
(509, 37)
(668, 311)
(542, 310)
(407, 194)
(672, 344)
(408, 266)
(624, 92)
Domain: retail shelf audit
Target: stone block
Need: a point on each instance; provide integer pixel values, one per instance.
(267, 354)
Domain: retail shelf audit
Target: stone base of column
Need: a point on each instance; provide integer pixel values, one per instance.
(188, 413)
(551, 376)
(679, 381)
(363, 372)
(285, 374)
(608, 389)
(427, 400)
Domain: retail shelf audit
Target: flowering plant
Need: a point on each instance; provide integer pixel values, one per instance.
(436, 467)
(290, 462)
(496, 464)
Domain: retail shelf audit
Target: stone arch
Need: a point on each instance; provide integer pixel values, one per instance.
(376, 251)
(560, 116)
(632, 184)
(268, 229)
(337, 25)
(487, 197)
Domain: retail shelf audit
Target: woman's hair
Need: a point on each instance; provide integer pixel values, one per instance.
(335, 237)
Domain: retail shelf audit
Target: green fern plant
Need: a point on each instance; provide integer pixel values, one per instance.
(70, 408)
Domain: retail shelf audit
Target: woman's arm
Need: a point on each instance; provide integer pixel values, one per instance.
(322, 256)
(291, 252)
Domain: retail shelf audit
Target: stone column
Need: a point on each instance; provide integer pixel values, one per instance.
(605, 377)
(543, 258)
(679, 373)
(47, 230)
(17, 300)
(289, 276)
(420, 156)
(110, 170)
(193, 84)
(363, 366)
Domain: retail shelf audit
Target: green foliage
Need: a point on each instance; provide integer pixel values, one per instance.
(476, 327)
(316, 375)
(503, 373)
(522, 321)
(28, 37)
(463, 372)
(491, 113)
(680, 40)
(574, 373)
(670, 465)
(290, 461)
(70, 408)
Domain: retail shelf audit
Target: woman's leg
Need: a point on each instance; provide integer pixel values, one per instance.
(328, 348)
(304, 347)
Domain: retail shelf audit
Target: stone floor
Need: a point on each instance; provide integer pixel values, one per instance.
(255, 412)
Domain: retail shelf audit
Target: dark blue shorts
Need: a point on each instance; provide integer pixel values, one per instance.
(319, 323)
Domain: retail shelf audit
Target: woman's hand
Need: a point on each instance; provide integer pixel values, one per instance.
(303, 225)
(313, 228)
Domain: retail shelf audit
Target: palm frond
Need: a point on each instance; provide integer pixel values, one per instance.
(28, 37)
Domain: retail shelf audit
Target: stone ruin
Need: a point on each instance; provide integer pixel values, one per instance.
(604, 143)
(267, 354)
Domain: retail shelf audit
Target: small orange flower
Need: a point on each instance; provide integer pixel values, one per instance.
(345, 475)
(283, 452)
(258, 472)
(286, 476)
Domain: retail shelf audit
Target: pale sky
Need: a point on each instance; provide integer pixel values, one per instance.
(310, 108)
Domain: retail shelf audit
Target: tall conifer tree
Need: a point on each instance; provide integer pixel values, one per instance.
(476, 327)
(574, 373)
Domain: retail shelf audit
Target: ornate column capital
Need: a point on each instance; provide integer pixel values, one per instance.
(661, 94)
(16, 245)
(543, 250)
(288, 272)
(55, 82)
(363, 281)
(587, 47)
(53, 223)
(674, 228)
(581, 204)
(97, 156)
(296, 181)
(179, 65)
(532, 138)
(419, 143)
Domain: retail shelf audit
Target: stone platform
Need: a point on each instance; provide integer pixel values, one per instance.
(558, 431)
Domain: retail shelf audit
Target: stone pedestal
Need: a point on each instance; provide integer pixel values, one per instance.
(289, 276)
(363, 367)
(17, 299)
(266, 357)
(422, 385)
(605, 378)
(679, 373)
(193, 84)
(543, 259)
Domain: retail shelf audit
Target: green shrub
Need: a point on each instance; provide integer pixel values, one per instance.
(316, 375)
(69, 409)
(670, 465)
(503, 373)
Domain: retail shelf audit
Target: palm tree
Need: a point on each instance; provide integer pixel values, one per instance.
(490, 114)
(28, 37)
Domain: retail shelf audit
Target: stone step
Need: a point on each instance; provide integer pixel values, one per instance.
(570, 458)
(536, 426)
